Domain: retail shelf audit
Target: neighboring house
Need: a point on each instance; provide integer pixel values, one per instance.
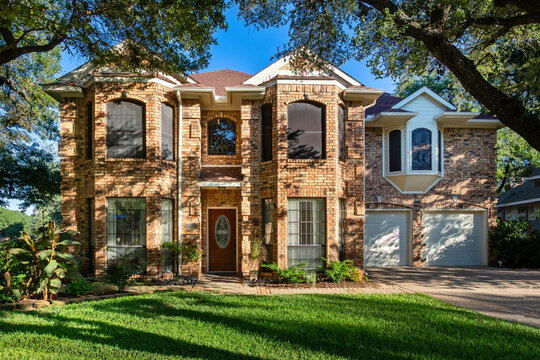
(522, 201)
(309, 163)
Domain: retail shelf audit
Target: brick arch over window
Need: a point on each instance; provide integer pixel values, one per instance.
(221, 136)
(126, 129)
(306, 130)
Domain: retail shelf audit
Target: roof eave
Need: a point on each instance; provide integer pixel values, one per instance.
(366, 96)
(60, 91)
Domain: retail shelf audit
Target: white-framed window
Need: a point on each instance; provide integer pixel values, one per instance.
(268, 228)
(421, 152)
(394, 151)
(306, 231)
(167, 225)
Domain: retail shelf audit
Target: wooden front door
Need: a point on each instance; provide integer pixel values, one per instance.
(222, 240)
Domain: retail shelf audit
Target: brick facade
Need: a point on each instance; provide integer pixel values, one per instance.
(469, 162)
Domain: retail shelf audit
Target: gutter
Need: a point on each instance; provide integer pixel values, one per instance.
(179, 173)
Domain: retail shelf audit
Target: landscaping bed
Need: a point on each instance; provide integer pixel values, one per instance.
(323, 285)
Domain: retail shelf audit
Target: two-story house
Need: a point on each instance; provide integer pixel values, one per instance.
(317, 165)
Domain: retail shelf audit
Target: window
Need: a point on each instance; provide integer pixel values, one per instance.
(167, 217)
(89, 130)
(394, 150)
(341, 133)
(268, 229)
(90, 213)
(266, 111)
(421, 149)
(306, 232)
(167, 118)
(537, 184)
(341, 229)
(125, 130)
(305, 131)
(439, 151)
(126, 230)
(221, 137)
(523, 212)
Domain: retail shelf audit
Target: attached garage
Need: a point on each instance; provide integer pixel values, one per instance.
(386, 238)
(455, 238)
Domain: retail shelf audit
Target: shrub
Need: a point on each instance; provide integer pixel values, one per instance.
(515, 244)
(44, 261)
(122, 269)
(356, 275)
(292, 275)
(79, 286)
(337, 271)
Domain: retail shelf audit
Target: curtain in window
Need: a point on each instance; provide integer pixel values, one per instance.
(126, 229)
(167, 118)
(394, 150)
(125, 130)
(306, 232)
(268, 228)
(167, 215)
(305, 131)
(421, 149)
(221, 137)
(266, 112)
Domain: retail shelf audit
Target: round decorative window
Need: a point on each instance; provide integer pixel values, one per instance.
(222, 231)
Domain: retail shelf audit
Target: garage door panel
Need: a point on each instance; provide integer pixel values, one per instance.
(385, 239)
(453, 239)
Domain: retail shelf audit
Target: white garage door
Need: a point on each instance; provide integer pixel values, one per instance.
(385, 238)
(454, 238)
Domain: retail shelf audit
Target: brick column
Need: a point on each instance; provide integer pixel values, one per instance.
(354, 204)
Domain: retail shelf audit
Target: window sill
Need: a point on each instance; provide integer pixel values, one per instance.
(300, 161)
(126, 159)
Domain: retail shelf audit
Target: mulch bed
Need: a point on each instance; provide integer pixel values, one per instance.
(324, 285)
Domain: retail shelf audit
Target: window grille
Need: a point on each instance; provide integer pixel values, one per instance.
(306, 232)
(167, 221)
(268, 229)
(306, 131)
(167, 145)
(125, 130)
(126, 230)
(221, 137)
(421, 149)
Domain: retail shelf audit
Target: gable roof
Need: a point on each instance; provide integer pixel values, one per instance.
(384, 103)
(424, 91)
(521, 194)
(220, 79)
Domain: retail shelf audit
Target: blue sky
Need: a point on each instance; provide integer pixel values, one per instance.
(248, 50)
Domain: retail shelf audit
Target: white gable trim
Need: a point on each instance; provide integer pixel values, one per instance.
(428, 92)
(271, 70)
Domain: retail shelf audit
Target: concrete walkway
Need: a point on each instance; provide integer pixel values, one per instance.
(511, 295)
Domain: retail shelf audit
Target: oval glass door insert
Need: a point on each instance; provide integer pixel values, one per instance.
(222, 231)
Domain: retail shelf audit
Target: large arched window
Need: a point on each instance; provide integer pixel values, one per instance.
(394, 150)
(306, 131)
(125, 130)
(221, 137)
(421, 149)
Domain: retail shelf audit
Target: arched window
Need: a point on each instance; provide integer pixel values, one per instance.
(421, 149)
(306, 131)
(221, 137)
(125, 130)
(167, 133)
(394, 150)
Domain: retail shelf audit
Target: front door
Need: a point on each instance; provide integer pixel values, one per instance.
(222, 240)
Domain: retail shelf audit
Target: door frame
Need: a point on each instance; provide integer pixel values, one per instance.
(485, 228)
(208, 239)
(409, 214)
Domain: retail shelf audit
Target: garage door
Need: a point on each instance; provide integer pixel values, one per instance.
(385, 238)
(454, 238)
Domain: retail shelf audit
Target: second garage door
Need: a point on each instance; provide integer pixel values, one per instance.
(454, 238)
(386, 238)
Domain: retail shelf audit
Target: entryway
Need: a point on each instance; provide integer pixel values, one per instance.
(221, 240)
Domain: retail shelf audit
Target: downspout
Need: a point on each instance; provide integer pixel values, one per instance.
(179, 174)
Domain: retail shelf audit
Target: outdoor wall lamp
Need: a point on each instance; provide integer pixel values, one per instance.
(379, 198)
(454, 199)
(124, 94)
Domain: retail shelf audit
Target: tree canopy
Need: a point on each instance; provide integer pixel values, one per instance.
(491, 47)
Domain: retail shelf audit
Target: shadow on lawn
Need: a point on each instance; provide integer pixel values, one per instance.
(368, 327)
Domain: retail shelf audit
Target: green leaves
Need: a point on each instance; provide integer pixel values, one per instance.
(50, 268)
(18, 251)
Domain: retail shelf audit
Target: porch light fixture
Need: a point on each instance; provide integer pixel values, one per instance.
(454, 199)
(306, 96)
(379, 198)
(124, 94)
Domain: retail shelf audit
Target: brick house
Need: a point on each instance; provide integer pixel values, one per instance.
(316, 165)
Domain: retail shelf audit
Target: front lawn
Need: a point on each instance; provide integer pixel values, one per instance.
(200, 325)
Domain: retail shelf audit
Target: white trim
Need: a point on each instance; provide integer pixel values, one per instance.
(518, 203)
(272, 82)
(427, 91)
(458, 115)
(536, 177)
(208, 239)
(220, 184)
(409, 230)
(179, 174)
(485, 227)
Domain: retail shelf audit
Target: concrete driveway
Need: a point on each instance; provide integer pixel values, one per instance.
(507, 294)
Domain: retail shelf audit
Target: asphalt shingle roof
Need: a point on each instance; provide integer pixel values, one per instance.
(220, 79)
(523, 192)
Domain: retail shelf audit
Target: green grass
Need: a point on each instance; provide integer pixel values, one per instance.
(206, 326)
